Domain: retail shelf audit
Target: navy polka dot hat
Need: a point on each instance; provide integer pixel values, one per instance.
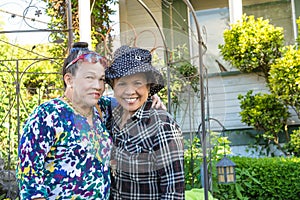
(130, 60)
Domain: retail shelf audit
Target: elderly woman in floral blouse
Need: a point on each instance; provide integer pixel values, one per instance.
(65, 147)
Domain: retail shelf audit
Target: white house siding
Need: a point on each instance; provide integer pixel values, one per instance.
(138, 28)
(223, 104)
(136, 25)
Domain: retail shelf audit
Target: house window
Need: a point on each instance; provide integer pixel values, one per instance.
(212, 24)
(213, 21)
(278, 12)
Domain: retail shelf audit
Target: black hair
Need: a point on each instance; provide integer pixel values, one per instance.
(76, 48)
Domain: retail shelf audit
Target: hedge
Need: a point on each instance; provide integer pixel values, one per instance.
(263, 178)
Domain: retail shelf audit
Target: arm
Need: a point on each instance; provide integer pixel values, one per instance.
(170, 161)
(34, 145)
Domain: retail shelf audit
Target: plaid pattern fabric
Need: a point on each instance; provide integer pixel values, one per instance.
(149, 155)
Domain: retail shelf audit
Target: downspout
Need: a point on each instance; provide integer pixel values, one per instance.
(295, 29)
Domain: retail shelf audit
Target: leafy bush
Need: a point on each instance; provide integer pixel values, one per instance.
(298, 38)
(263, 179)
(284, 80)
(293, 146)
(255, 45)
(252, 44)
(264, 112)
(193, 158)
(36, 82)
(192, 164)
(100, 22)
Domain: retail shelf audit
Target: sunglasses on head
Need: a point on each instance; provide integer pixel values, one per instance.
(91, 57)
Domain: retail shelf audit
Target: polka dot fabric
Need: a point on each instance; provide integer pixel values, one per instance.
(130, 60)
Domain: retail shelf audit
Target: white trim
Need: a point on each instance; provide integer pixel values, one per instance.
(235, 10)
(84, 14)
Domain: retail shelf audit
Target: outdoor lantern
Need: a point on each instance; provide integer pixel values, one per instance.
(226, 171)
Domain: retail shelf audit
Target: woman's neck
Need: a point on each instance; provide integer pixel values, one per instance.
(85, 111)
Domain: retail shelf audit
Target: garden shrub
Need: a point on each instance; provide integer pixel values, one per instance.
(284, 78)
(37, 81)
(264, 112)
(193, 158)
(252, 44)
(293, 146)
(263, 179)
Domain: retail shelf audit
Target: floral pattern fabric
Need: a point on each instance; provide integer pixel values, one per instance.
(61, 156)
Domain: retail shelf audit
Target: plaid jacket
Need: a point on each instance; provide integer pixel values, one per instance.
(149, 156)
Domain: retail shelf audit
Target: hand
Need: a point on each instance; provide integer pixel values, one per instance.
(157, 103)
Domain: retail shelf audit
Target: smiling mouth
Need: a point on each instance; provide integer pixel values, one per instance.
(130, 100)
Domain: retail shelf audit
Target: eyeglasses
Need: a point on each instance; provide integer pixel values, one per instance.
(91, 57)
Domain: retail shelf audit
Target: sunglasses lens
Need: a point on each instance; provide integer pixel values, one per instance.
(92, 58)
(89, 57)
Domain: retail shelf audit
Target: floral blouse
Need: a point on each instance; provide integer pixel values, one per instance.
(61, 156)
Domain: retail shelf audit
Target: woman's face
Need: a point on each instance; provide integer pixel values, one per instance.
(88, 84)
(131, 91)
